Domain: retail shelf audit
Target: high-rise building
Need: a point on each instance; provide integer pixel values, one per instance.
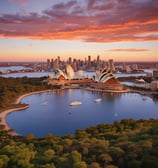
(77, 64)
(128, 69)
(70, 61)
(155, 73)
(56, 64)
(89, 62)
(124, 67)
(98, 59)
(154, 85)
(48, 64)
(134, 66)
(111, 64)
(58, 59)
(52, 64)
(74, 64)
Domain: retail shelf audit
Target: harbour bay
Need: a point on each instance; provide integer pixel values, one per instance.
(50, 112)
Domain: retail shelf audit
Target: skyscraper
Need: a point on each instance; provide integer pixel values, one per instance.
(89, 62)
(98, 59)
(70, 61)
(48, 64)
(111, 64)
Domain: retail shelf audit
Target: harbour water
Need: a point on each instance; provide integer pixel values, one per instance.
(26, 74)
(50, 112)
(13, 68)
(41, 74)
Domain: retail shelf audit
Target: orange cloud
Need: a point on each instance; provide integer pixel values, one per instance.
(94, 21)
(129, 50)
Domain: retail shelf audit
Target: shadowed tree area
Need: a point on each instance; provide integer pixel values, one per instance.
(12, 88)
(124, 144)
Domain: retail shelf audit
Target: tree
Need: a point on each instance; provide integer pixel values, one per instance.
(30, 137)
(134, 163)
(94, 165)
(98, 146)
(20, 155)
(3, 161)
(74, 157)
(116, 153)
(51, 165)
(111, 166)
(2, 127)
(58, 148)
(80, 165)
(149, 162)
(105, 159)
(81, 134)
(66, 143)
(49, 154)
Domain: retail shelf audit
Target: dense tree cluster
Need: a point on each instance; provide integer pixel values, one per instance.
(124, 144)
(11, 88)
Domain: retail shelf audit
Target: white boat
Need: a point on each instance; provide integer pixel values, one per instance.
(44, 104)
(75, 103)
(98, 100)
(144, 98)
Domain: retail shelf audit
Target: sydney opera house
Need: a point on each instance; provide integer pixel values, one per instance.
(104, 75)
(103, 79)
(67, 74)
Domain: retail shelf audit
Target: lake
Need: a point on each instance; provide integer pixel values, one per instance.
(50, 112)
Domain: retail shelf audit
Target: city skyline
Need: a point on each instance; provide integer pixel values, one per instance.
(123, 30)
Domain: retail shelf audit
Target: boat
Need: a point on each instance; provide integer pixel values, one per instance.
(144, 98)
(44, 104)
(98, 100)
(75, 103)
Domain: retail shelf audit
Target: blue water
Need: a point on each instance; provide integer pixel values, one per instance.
(129, 83)
(128, 75)
(41, 74)
(50, 112)
(13, 68)
(27, 74)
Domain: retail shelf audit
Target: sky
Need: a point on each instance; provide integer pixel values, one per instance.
(35, 30)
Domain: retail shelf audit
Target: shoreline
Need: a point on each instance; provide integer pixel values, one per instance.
(108, 91)
(30, 93)
(4, 113)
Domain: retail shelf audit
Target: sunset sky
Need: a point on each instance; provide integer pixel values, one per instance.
(34, 30)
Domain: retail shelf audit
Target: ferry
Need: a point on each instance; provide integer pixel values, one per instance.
(98, 100)
(75, 103)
